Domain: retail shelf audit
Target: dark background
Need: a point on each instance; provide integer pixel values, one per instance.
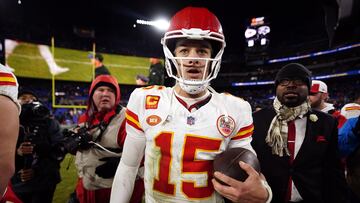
(111, 22)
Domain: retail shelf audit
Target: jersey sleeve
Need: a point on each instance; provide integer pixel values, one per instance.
(133, 152)
(350, 110)
(244, 128)
(134, 111)
(9, 85)
(122, 133)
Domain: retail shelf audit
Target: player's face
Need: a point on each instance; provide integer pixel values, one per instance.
(104, 98)
(26, 99)
(193, 68)
(315, 99)
(292, 92)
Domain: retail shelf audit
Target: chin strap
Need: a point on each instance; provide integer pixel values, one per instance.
(193, 89)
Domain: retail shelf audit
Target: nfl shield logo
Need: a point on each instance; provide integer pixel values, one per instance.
(190, 120)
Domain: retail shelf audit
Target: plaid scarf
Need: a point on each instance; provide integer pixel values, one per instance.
(278, 131)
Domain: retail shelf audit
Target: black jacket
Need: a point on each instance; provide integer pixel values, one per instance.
(45, 161)
(315, 171)
(102, 70)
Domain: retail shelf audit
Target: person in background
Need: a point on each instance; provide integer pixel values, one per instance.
(318, 97)
(141, 80)
(37, 163)
(156, 72)
(349, 144)
(298, 146)
(97, 142)
(181, 129)
(352, 109)
(97, 62)
(9, 116)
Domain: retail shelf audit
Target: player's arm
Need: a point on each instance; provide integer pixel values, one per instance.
(125, 175)
(9, 125)
(245, 128)
(132, 155)
(254, 188)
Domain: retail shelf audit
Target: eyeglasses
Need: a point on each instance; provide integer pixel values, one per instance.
(287, 81)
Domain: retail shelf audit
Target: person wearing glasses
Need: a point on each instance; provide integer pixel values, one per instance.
(297, 145)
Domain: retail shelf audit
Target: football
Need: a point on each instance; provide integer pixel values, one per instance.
(228, 163)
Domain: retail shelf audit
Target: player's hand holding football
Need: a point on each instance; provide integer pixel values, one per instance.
(251, 190)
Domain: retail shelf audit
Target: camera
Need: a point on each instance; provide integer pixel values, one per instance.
(75, 140)
(33, 129)
(33, 112)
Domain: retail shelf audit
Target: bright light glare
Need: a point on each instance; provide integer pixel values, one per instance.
(160, 24)
(250, 33)
(264, 30)
(263, 41)
(250, 43)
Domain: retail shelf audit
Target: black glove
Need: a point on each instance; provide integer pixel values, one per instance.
(108, 169)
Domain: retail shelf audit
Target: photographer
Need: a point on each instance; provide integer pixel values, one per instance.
(36, 162)
(97, 142)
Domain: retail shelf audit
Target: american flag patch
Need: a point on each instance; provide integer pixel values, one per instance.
(7, 79)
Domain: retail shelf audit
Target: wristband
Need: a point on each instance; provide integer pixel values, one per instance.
(268, 189)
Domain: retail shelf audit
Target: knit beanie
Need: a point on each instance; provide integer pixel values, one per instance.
(294, 70)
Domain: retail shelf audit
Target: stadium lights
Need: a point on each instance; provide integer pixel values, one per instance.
(263, 41)
(160, 24)
(257, 33)
(264, 30)
(249, 32)
(250, 43)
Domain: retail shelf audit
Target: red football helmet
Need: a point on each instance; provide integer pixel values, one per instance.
(196, 24)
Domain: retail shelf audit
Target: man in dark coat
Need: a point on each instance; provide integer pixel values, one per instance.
(296, 145)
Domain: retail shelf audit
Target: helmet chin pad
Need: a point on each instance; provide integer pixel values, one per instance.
(194, 88)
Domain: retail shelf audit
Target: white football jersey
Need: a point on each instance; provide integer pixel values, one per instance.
(181, 141)
(350, 110)
(8, 84)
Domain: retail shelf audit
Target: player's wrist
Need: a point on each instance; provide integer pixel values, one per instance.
(268, 189)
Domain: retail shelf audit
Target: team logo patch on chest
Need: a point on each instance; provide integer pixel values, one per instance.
(225, 125)
(152, 101)
(153, 120)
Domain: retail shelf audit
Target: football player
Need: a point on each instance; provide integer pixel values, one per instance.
(9, 116)
(181, 129)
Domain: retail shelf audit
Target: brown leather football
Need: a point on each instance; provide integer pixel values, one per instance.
(228, 163)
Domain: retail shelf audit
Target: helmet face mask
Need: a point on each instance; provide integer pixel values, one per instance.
(193, 24)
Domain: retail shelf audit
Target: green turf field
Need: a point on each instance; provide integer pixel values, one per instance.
(27, 62)
(69, 179)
